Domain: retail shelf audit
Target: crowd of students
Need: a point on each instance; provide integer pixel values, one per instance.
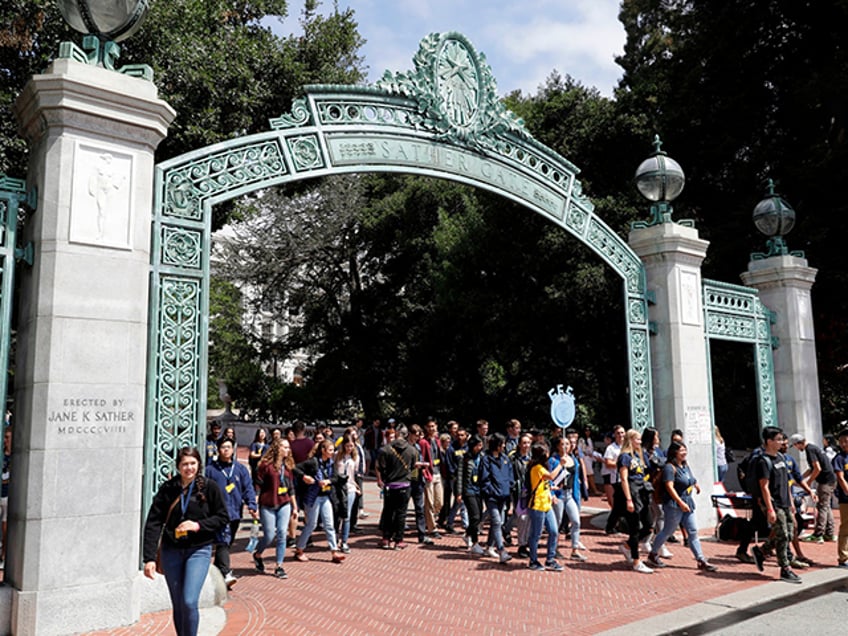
(524, 483)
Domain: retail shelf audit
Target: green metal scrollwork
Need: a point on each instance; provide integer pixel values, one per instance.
(735, 313)
(97, 52)
(442, 119)
(12, 194)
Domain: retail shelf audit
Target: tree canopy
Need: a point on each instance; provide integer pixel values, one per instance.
(742, 92)
(217, 62)
(416, 297)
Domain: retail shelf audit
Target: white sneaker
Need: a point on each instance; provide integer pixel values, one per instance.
(642, 568)
(645, 546)
(625, 550)
(230, 580)
(580, 546)
(467, 541)
(665, 553)
(505, 556)
(476, 550)
(492, 552)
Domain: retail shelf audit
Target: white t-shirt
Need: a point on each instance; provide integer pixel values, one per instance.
(612, 452)
(347, 466)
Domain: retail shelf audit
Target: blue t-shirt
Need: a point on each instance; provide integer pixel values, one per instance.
(840, 465)
(683, 482)
(636, 470)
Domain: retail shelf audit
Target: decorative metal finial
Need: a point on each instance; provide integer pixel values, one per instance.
(104, 23)
(660, 179)
(770, 191)
(775, 218)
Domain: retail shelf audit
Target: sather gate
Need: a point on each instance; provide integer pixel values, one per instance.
(442, 119)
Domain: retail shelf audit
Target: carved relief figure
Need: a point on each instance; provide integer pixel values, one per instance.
(102, 185)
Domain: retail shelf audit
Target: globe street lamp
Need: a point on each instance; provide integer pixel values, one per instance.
(775, 218)
(104, 23)
(660, 179)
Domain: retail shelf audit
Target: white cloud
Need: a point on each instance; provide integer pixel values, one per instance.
(523, 42)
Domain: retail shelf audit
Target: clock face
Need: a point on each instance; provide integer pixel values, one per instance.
(458, 83)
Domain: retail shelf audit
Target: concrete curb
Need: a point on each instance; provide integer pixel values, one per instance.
(723, 611)
(213, 620)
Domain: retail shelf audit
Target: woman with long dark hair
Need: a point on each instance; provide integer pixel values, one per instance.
(275, 488)
(571, 497)
(318, 474)
(257, 449)
(655, 459)
(347, 460)
(636, 494)
(469, 492)
(679, 507)
(187, 512)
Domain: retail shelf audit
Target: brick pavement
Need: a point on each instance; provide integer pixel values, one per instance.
(440, 590)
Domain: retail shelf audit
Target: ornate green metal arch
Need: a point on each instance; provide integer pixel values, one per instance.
(442, 119)
(736, 313)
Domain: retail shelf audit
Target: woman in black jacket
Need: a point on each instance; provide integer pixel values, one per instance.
(320, 481)
(186, 513)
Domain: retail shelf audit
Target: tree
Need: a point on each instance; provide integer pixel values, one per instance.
(216, 62)
(234, 357)
(219, 65)
(742, 91)
(305, 262)
(418, 296)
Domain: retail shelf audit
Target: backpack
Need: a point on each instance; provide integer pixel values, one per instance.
(731, 528)
(746, 473)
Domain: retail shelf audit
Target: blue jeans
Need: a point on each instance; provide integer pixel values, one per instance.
(275, 523)
(558, 506)
(416, 493)
(345, 529)
(674, 516)
(322, 507)
(537, 519)
(572, 511)
(185, 570)
(722, 471)
(457, 507)
(497, 511)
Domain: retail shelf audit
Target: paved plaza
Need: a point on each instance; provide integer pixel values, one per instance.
(439, 589)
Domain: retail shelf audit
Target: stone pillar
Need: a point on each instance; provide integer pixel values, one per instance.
(672, 255)
(76, 514)
(784, 284)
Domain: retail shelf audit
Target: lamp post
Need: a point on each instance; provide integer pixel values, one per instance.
(104, 23)
(775, 218)
(660, 179)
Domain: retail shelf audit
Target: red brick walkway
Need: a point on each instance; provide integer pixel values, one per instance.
(440, 590)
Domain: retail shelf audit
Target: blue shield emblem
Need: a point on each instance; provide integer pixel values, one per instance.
(562, 406)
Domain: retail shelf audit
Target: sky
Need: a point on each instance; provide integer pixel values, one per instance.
(523, 41)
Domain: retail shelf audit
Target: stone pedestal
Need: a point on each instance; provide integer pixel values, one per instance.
(73, 559)
(672, 255)
(784, 283)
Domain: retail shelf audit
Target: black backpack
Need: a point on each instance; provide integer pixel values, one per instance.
(731, 528)
(746, 473)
